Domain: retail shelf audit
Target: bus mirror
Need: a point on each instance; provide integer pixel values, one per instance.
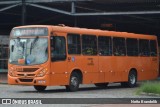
(12, 48)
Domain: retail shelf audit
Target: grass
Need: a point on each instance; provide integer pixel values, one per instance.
(150, 87)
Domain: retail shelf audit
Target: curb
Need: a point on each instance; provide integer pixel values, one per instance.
(3, 83)
(3, 78)
(149, 94)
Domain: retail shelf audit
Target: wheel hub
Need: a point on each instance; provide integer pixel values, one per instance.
(74, 81)
(132, 79)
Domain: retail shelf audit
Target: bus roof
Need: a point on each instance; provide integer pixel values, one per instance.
(98, 32)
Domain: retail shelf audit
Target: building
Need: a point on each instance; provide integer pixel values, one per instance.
(137, 16)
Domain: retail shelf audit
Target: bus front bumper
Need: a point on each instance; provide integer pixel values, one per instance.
(43, 81)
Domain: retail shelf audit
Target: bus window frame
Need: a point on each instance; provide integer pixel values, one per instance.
(60, 59)
(139, 52)
(84, 35)
(111, 40)
(155, 48)
(80, 40)
(125, 47)
(137, 47)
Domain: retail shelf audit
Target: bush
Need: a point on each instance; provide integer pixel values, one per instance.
(150, 87)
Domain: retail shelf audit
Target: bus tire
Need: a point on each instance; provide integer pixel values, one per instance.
(101, 85)
(73, 83)
(132, 80)
(39, 88)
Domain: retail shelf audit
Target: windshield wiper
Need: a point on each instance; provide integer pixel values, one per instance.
(18, 43)
(33, 43)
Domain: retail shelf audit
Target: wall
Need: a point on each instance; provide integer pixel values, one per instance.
(4, 41)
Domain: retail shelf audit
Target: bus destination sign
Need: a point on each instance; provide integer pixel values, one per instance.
(34, 31)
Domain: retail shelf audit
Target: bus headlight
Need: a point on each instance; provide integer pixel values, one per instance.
(10, 72)
(42, 73)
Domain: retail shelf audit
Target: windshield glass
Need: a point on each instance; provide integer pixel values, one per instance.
(28, 51)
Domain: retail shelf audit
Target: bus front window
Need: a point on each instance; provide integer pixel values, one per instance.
(28, 51)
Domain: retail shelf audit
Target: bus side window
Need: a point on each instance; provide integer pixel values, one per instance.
(119, 48)
(104, 46)
(58, 48)
(153, 48)
(144, 47)
(74, 46)
(132, 47)
(89, 45)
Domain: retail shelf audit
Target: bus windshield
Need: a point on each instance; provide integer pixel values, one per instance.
(28, 51)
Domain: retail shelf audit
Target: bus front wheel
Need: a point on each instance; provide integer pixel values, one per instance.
(39, 88)
(74, 82)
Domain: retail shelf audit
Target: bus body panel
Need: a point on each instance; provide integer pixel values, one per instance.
(104, 69)
(59, 74)
(90, 64)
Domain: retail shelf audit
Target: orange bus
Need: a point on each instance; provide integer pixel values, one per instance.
(44, 56)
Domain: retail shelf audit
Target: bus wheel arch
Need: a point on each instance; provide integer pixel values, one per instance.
(79, 72)
(132, 79)
(134, 70)
(74, 80)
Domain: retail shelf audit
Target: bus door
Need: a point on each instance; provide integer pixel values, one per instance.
(58, 59)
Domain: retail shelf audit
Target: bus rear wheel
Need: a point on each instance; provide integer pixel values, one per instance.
(101, 85)
(132, 80)
(74, 83)
(39, 88)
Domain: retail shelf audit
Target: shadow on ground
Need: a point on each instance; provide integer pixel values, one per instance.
(81, 89)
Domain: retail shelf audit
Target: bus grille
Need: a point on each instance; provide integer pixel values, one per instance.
(26, 80)
(26, 69)
(22, 75)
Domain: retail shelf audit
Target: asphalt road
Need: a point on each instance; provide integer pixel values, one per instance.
(85, 91)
